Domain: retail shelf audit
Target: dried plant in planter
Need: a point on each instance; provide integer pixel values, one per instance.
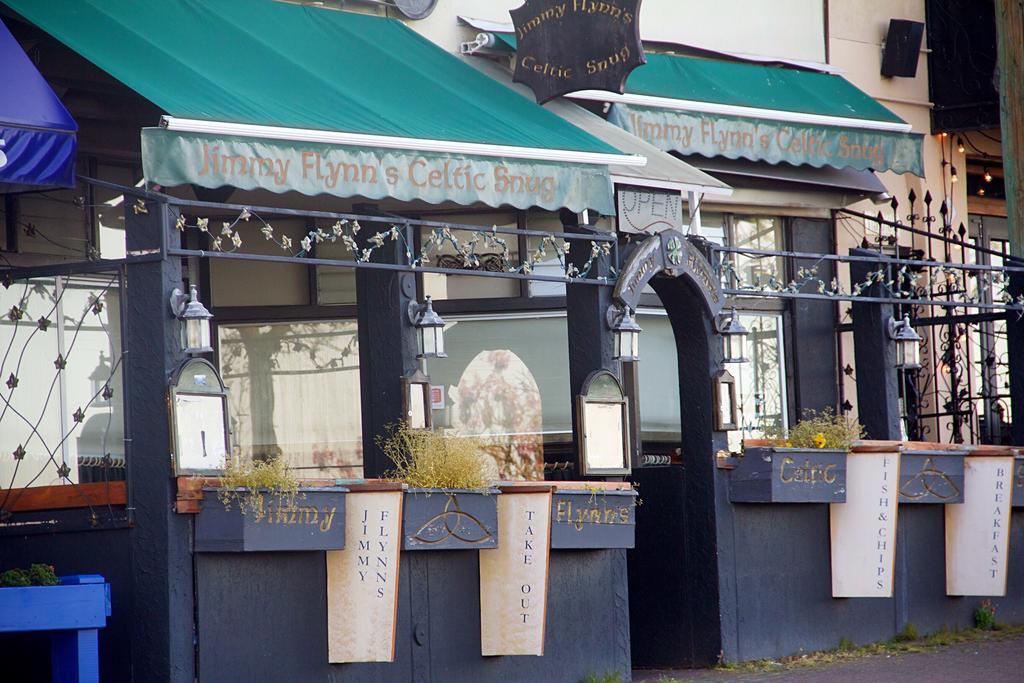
(249, 485)
(431, 460)
(821, 430)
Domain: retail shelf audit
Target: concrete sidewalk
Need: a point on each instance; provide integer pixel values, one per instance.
(999, 660)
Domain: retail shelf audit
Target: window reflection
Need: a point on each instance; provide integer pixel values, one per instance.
(506, 380)
(62, 417)
(761, 383)
(293, 392)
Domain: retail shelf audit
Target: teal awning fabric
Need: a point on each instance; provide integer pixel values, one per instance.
(763, 112)
(763, 86)
(289, 66)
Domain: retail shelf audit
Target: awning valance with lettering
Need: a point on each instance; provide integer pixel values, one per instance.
(662, 170)
(761, 112)
(37, 134)
(287, 97)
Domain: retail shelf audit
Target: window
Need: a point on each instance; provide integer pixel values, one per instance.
(62, 416)
(492, 253)
(505, 379)
(293, 392)
(659, 378)
(761, 383)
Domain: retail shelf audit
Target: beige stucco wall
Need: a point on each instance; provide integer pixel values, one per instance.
(792, 29)
(857, 29)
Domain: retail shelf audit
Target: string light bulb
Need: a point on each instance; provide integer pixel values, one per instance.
(981, 191)
(960, 145)
(943, 135)
(952, 174)
(988, 175)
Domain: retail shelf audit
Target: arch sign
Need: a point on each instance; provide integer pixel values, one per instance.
(675, 255)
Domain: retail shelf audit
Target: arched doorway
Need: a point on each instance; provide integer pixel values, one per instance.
(673, 571)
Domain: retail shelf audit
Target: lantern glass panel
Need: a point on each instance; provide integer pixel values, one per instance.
(195, 334)
(634, 338)
(438, 333)
(734, 348)
(908, 355)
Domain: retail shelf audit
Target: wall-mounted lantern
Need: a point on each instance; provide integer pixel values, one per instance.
(724, 398)
(908, 344)
(195, 321)
(416, 400)
(734, 337)
(627, 333)
(429, 329)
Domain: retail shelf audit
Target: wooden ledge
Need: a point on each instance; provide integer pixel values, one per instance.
(67, 496)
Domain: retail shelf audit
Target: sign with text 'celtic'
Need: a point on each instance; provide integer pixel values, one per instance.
(567, 45)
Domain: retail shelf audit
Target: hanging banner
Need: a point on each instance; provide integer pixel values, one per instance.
(514, 576)
(362, 579)
(863, 529)
(978, 530)
(735, 137)
(172, 158)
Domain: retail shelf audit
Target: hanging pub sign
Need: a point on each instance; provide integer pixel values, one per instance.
(643, 210)
(199, 419)
(567, 45)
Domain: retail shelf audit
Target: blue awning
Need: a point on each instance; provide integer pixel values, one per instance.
(37, 134)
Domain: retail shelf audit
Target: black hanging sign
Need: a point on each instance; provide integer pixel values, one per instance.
(569, 45)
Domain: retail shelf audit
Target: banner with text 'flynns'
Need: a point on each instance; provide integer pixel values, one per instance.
(567, 45)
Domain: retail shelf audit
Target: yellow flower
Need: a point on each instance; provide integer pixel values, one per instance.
(819, 440)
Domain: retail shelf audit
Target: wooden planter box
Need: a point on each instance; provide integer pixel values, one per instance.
(583, 519)
(449, 519)
(931, 475)
(788, 475)
(315, 520)
(79, 602)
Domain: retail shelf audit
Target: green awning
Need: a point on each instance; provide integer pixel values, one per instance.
(761, 112)
(286, 75)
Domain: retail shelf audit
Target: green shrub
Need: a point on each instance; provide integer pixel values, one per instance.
(985, 616)
(36, 575)
(907, 635)
(820, 430)
(846, 645)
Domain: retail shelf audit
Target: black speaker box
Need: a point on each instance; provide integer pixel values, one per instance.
(902, 48)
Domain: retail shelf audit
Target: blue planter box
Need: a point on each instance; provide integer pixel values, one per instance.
(74, 611)
(79, 602)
